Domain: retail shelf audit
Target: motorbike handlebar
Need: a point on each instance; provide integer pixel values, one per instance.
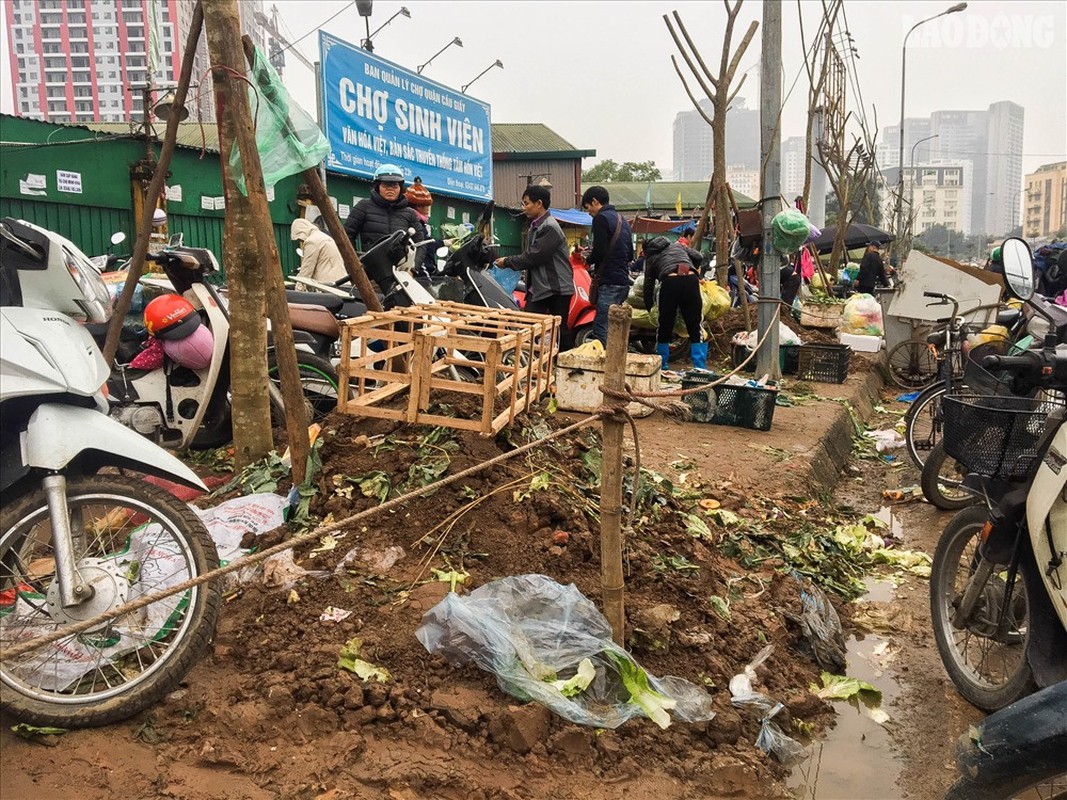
(1031, 361)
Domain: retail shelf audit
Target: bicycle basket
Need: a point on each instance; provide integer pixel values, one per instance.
(995, 436)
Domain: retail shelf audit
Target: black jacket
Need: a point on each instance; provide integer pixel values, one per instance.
(612, 268)
(662, 258)
(373, 219)
(872, 272)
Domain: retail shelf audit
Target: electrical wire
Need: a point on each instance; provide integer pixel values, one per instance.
(293, 43)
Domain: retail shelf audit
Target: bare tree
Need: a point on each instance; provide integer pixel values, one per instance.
(717, 89)
(817, 65)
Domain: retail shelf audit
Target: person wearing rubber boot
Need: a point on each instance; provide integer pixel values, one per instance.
(674, 267)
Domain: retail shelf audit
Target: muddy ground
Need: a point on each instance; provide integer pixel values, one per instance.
(270, 714)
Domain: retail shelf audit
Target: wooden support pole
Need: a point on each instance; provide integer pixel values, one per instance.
(155, 189)
(337, 231)
(611, 580)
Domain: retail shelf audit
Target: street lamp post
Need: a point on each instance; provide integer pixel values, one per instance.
(366, 44)
(457, 41)
(911, 187)
(497, 63)
(900, 131)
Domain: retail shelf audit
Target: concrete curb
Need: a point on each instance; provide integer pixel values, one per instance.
(831, 453)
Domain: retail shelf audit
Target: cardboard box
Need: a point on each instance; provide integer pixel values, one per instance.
(578, 380)
(860, 343)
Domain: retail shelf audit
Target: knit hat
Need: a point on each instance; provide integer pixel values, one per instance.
(418, 195)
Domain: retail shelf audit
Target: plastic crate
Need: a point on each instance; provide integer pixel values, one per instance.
(788, 357)
(825, 363)
(994, 436)
(740, 406)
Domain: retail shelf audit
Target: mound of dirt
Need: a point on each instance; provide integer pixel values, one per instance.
(436, 730)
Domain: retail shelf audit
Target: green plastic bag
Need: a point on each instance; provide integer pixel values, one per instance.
(789, 231)
(288, 140)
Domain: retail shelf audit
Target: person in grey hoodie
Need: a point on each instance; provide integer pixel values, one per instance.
(550, 282)
(675, 268)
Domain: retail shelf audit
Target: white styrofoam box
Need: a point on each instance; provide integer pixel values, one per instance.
(860, 343)
(579, 378)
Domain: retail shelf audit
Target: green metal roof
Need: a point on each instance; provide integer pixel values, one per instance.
(189, 133)
(631, 196)
(532, 139)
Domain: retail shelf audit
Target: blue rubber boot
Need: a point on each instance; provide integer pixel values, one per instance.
(664, 351)
(698, 354)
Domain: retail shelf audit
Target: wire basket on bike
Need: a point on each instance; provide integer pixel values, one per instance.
(995, 436)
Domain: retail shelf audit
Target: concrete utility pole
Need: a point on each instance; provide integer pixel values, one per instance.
(770, 288)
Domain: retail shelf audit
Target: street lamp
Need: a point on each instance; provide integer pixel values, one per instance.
(903, 64)
(457, 41)
(497, 63)
(911, 191)
(364, 11)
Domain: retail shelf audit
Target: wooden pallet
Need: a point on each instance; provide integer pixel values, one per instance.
(505, 354)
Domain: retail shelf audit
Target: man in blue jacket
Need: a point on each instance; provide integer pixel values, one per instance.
(613, 251)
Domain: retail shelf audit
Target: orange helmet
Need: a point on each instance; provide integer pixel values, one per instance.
(171, 316)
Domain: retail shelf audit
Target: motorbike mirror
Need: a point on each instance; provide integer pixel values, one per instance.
(1018, 268)
(300, 251)
(442, 252)
(177, 239)
(118, 238)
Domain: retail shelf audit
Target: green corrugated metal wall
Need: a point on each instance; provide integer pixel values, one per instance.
(104, 205)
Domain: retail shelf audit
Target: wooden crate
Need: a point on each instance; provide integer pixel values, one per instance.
(505, 354)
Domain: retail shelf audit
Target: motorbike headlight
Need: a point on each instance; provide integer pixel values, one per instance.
(96, 300)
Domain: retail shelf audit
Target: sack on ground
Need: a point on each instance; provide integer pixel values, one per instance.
(862, 316)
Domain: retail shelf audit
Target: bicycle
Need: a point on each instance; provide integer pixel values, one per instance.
(922, 421)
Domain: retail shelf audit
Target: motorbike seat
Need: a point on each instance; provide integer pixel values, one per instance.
(330, 302)
(314, 319)
(1008, 317)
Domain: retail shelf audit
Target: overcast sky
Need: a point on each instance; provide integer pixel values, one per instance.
(599, 73)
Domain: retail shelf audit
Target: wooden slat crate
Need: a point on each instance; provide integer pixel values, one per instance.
(507, 355)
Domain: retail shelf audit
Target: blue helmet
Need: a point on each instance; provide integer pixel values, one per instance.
(389, 172)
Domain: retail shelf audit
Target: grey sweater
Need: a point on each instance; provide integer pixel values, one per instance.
(546, 261)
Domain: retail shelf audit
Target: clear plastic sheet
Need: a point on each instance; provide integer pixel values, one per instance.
(533, 633)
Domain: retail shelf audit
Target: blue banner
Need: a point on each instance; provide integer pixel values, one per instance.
(377, 112)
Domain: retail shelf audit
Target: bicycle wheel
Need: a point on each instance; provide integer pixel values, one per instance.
(942, 481)
(912, 364)
(130, 539)
(922, 424)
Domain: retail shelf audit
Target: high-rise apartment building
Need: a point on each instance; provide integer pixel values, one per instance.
(1045, 201)
(991, 141)
(693, 145)
(88, 60)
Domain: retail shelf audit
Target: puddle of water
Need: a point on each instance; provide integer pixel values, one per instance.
(878, 591)
(889, 516)
(855, 759)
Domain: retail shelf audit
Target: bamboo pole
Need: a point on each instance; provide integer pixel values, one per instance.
(155, 188)
(611, 580)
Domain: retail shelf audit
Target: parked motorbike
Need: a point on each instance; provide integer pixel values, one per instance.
(1019, 748)
(998, 585)
(80, 534)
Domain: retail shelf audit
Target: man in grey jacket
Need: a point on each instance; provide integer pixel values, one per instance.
(550, 277)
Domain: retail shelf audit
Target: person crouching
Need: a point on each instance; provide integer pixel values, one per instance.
(673, 266)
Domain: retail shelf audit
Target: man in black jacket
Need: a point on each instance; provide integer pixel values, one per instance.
(613, 250)
(872, 271)
(384, 212)
(675, 268)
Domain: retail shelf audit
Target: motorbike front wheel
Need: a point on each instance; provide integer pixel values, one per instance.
(130, 539)
(985, 654)
(942, 481)
(318, 381)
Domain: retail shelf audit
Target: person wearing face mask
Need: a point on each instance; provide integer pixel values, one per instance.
(384, 212)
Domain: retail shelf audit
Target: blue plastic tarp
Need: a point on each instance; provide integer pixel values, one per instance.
(572, 216)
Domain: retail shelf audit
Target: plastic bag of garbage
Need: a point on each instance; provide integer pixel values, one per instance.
(716, 300)
(547, 642)
(742, 692)
(821, 628)
(636, 298)
(862, 316)
(789, 231)
(771, 740)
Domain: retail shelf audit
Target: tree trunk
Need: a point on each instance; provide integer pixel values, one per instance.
(720, 192)
(250, 402)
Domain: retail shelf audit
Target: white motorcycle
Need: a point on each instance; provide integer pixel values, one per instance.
(998, 586)
(81, 531)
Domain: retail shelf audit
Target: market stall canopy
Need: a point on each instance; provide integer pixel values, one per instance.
(662, 196)
(571, 216)
(648, 225)
(857, 235)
